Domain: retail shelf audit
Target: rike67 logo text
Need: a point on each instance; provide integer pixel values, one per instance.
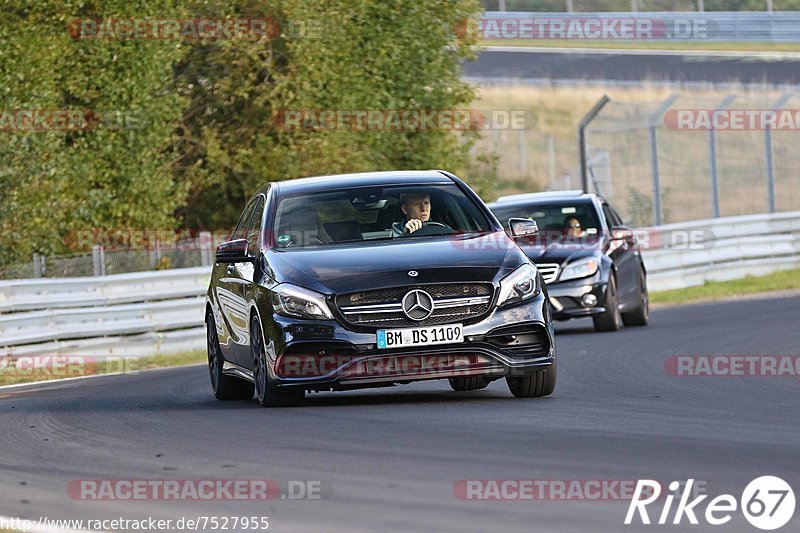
(767, 502)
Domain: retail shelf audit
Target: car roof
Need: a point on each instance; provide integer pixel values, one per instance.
(377, 179)
(541, 197)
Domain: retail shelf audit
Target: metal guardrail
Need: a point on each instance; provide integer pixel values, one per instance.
(737, 26)
(162, 312)
(32, 294)
(136, 314)
(688, 254)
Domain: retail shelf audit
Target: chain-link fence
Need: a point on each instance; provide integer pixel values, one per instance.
(102, 261)
(531, 160)
(689, 158)
(638, 5)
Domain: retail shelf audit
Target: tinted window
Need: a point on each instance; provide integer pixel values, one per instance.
(372, 213)
(254, 226)
(552, 216)
(611, 220)
(241, 227)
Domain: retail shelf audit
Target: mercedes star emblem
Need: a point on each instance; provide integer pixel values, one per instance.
(417, 304)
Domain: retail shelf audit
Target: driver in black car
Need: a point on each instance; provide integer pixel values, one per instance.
(416, 210)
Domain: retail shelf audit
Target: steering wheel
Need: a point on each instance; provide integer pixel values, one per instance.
(432, 228)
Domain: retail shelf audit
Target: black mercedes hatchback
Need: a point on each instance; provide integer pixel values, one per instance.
(376, 279)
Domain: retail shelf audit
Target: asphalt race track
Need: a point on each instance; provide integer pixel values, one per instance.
(619, 66)
(389, 458)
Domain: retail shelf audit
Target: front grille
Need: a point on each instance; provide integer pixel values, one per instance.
(452, 302)
(549, 271)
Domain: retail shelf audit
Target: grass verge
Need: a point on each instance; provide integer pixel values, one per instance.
(700, 46)
(786, 280)
(27, 369)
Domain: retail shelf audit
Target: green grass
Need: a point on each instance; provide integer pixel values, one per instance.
(715, 290)
(647, 45)
(80, 366)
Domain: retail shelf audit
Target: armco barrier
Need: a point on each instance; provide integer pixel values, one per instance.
(737, 26)
(135, 314)
(728, 248)
(162, 312)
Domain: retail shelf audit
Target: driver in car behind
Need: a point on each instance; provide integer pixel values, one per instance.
(416, 210)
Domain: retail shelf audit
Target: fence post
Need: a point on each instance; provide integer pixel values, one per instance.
(590, 116)
(501, 5)
(551, 159)
(701, 6)
(98, 260)
(38, 266)
(712, 154)
(523, 153)
(655, 120)
(206, 245)
(771, 202)
(658, 210)
(570, 8)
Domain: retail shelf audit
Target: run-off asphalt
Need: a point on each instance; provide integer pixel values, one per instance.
(390, 457)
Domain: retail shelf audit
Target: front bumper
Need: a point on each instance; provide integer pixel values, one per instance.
(324, 355)
(566, 298)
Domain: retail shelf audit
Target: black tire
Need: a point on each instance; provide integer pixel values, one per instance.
(611, 319)
(536, 384)
(224, 387)
(641, 315)
(267, 394)
(470, 383)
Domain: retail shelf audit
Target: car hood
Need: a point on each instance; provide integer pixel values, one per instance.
(341, 269)
(562, 253)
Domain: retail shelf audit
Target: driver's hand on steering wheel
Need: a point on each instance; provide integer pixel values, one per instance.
(413, 225)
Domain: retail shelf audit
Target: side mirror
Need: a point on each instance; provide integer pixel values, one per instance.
(621, 233)
(523, 227)
(233, 252)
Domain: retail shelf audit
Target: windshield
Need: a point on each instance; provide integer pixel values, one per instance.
(375, 213)
(557, 221)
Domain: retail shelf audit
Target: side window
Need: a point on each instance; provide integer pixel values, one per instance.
(241, 227)
(254, 226)
(620, 220)
(611, 220)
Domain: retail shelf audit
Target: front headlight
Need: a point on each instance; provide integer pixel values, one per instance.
(519, 285)
(581, 268)
(294, 301)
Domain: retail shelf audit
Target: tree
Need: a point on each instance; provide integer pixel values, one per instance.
(337, 55)
(111, 169)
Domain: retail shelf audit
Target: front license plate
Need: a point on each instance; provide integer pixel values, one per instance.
(403, 338)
